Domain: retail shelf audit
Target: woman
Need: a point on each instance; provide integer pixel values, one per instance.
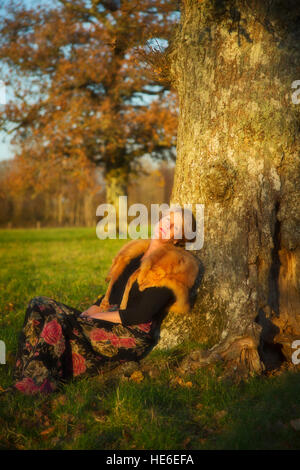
(147, 279)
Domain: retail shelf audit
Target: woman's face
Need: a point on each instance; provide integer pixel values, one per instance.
(169, 227)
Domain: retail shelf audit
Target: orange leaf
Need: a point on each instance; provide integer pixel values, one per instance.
(137, 376)
(47, 431)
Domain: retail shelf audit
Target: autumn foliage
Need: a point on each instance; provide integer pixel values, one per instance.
(83, 98)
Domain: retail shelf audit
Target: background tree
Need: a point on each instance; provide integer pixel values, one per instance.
(233, 64)
(152, 187)
(80, 88)
(33, 196)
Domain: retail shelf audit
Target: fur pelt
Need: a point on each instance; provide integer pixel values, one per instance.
(168, 266)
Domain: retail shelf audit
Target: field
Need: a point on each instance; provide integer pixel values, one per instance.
(159, 411)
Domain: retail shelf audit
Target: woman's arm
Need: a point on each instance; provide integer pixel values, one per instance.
(108, 316)
(95, 312)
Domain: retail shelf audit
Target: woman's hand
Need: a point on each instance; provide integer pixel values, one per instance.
(91, 311)
(95, 312)
(96, 309)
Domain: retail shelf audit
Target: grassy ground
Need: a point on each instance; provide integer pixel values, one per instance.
(152, 411)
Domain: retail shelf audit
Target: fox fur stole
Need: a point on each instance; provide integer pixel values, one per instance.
(168, 266)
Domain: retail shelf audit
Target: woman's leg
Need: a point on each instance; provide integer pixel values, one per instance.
(40, 361)
(114, 343)
(57, 345)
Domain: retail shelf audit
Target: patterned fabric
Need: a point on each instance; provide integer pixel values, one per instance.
(56, 345)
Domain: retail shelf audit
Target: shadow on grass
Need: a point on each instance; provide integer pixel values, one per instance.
(156, 414)
(212, 414)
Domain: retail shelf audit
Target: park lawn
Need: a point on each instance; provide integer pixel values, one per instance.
(162, 411)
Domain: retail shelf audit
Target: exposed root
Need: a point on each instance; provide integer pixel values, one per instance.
(239, 355)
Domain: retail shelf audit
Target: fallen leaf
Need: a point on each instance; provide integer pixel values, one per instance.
(199, 406)
(48, 431)
(295, 423)
(154, 373)
(220, 414)
(209, 430)
(67, 418)
(99, 416)
(137, 376)
(38, 414)
(20, 446)
(186, 441)
(46, 420)
(60, 400)
(180, 381)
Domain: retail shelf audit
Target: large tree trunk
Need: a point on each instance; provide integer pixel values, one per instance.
(238, 154)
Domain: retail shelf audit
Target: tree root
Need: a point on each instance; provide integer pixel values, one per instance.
(239, 355)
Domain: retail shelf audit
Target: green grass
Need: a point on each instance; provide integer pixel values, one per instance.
(111, 413)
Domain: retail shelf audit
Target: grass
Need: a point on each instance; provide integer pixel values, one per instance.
(202, 411)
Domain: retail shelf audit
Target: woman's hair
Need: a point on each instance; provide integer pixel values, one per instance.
(191, 226)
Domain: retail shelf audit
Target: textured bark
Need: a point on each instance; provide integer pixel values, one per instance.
(116, 186)
(288, 321)
(233, 65)
(88, 209)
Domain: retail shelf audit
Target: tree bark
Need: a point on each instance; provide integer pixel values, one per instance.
(116, 186)
(60, 209)
(88, 209)
(238, 154)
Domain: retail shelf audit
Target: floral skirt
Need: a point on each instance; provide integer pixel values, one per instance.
(56, 345)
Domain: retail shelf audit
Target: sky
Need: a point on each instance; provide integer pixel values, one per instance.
(6, 149)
